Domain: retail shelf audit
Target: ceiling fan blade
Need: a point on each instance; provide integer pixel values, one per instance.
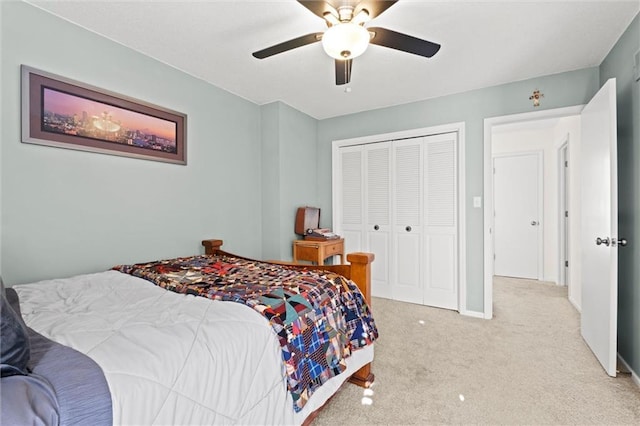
(343, 71)
(403, 42)
(288, 45)
(374, 7)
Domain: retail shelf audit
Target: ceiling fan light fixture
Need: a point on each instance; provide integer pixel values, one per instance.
(345, 40)
(331, 19)
(361, 18)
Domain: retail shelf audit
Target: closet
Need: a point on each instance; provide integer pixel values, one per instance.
(398, 199)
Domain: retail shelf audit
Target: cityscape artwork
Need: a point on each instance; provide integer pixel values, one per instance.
(67, 114)
(73, 115)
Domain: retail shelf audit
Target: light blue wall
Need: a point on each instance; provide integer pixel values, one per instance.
(271, 180)
(1, 115)
(298, 171)
(289, 174)
(619, 64)
(66, 212)
(560, 90)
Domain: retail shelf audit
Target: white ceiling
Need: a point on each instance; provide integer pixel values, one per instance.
(484, 43)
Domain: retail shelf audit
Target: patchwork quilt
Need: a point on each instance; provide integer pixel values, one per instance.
(319, 316)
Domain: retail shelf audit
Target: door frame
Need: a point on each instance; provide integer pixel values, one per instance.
(458, 127)
(489, 123)
(563, 206)
(539, 154)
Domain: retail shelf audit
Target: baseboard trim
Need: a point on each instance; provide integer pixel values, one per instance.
(473, 314)
(575, 305)
(634, 376)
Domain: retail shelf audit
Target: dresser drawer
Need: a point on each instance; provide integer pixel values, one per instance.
(317, 251)
(333, 249)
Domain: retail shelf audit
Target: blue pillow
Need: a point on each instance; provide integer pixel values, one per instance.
(14, 339)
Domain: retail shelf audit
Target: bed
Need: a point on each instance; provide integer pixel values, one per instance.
(269, 343)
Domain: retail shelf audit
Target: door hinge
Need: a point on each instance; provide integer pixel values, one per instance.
(566, 263)
(566, 164)
(566, 213)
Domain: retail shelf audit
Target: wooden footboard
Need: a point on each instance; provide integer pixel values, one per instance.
(359, 271)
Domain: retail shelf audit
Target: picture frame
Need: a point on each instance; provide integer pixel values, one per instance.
(64, 113)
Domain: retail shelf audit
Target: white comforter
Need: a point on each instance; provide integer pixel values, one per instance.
(170, 358)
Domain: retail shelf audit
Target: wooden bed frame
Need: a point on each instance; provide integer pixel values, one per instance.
(359, 271)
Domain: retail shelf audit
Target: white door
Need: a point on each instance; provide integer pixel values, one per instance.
(351, 198)
(408, 257)
(599, 233)
(377, 229)
(398, 200)
(517, 215)
(441, 221)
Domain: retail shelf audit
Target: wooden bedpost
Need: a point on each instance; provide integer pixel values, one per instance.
(361, 272)
(211, 246)
(361, 275)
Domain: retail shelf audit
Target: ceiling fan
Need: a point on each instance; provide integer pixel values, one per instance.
(346, 36)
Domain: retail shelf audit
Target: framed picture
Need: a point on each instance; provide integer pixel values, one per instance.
(64, 113)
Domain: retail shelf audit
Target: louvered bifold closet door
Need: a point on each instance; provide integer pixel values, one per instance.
(399, 201)
(351, 198)
(377, 209)
(408, 189)
(441, 221)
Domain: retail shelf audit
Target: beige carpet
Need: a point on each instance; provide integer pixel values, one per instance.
(528, 365)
